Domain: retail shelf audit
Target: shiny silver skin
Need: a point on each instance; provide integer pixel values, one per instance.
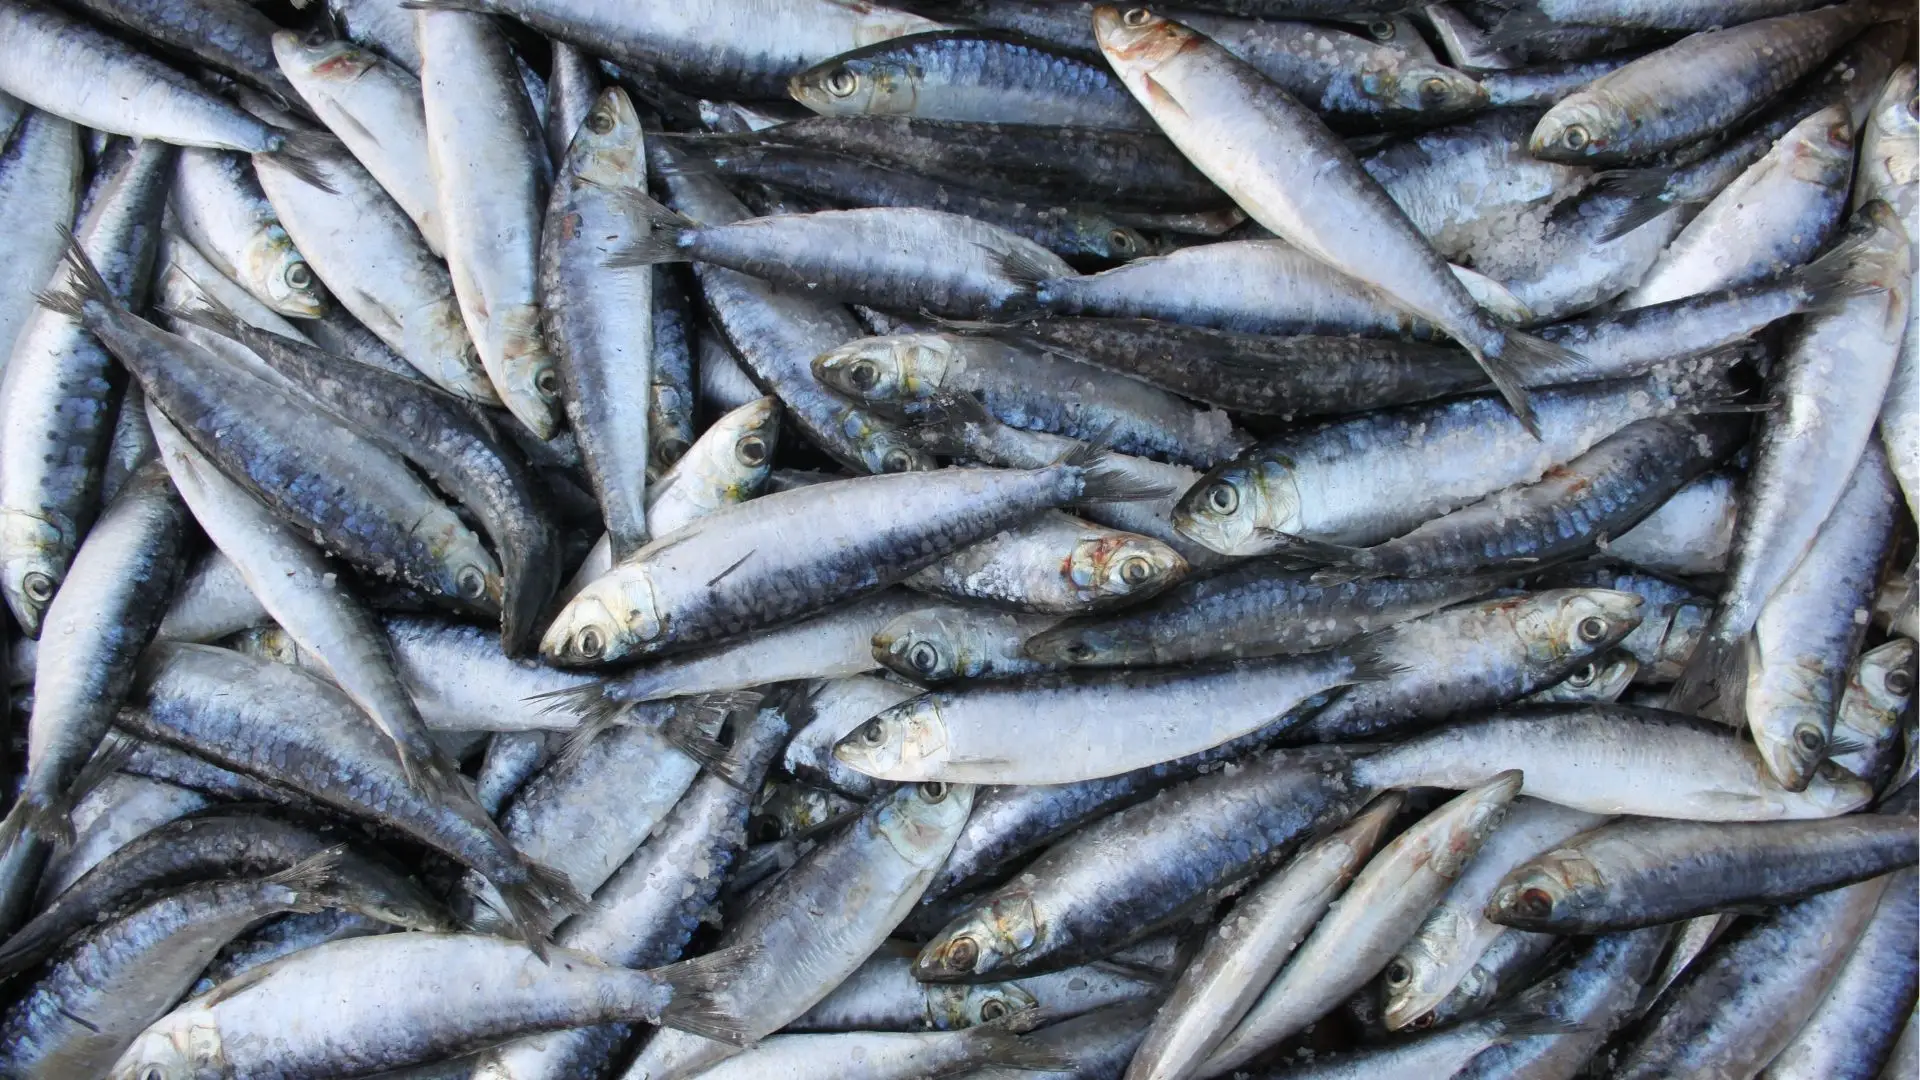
(883, 995)
(491, 170)
(1055, 564)
(1878, 693)
(823, 715)
(942, 644)
(40, 176)
(217, 204)
(1853, 1032)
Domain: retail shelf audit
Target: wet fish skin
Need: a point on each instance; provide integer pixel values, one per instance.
(1048, 916)
(240, 843)
(334, 755)
(1742, 1002)
(598, 318)
(1475, 656)
(99, 623)
(1256, 608)
(571, 93)
(60, 388)
(373, 260)
(1603, 679)
(1316, 195)
(1814, 440)
(1055, 564)
(874, 870)
(1587, 756)
(1878, 691)
(1704, 83)
(40, 178)
(941, 644)
(373, 105)
(1629, 874)
(822, 715)
(228, 35)
(969, 75)
(883, 995)
(1251, 945)
(491, 171)
(1361, 934)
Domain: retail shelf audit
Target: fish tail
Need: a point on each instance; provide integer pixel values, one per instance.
(1002, 1044)
(1027, 268)
(302, 152)
(661, 244)
(1321, 553)
(85, 286)
(1517, 357)
(1101, 481)
(705, 990)
(1522, 1023)
(534, 903)
(1849, 269)
(694, 725)
(1708, 670)
(310, 878)
(1368, 658)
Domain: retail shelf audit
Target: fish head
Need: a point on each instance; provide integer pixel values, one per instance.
(858, 86)
(926, 646)
(900, 743)
(1794, 743)
(921, 821)
(1563, 624)
(883, 448)
(185, 1045)
(988, 936)
(1463, 824)
(1604, 679)
(1115, 565)
(35, 552)
(1821, 147)
(728, 464)
(320, 55)
(609, 147)
(529, 382)
(1418, 977)
(900, 367)
(1135, 40)
(1082, 644)
(612, 617)
(468, 573)
(967, 1005)
(1240, 507)
(1883, 683)
(1431, 90)
(1577, 130)
(292, 288)
(1541, 893)
(754, 430)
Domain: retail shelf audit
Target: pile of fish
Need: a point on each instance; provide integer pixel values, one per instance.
(791, 539)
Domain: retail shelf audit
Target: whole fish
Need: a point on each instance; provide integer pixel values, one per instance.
(1213, 107)
(1626, 875)
(974, 734)
(970, 75)
(599, 320)
(717, 575)
(59, 390)
(98, 624)
(1590, 757)
(1702, 84)
(1371, 922)
(491, 170)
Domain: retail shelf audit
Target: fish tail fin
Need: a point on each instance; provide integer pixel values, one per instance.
(1522, 23)
(1522, 357)
(1320, 553)
(1367, 657)
(694, 728)
(534, 903)
(1001, 1042)
(1522, 1023)
(211, 314)
(1104, 482)
(1709, 670)
(311, 879)
(1029, 268)
(704, 989)
(85, 286)
(1848, 269)
(1646, 194)
(661, 244)
(49, 816)
(302, 153)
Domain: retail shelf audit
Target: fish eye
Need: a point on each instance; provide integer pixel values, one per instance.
(1136, 570)
(1121, 240)
(1079, 650)
(1583, 677)
(924, 657)
(863, 374)
(1382, 30)
(1810, 740)
(993, 1009)
(1575, 137)
(962, 952)
(547, 382)
(896, 460)
(1434, 88)
(1898, 681)
(933, 791)
(1137, 17)
(1398, 973)
(768, 830)
(590, 643)
(298, 276)
(1535, 902)
(669, 451)
(599, 122)
(1421, 1022)
(37, 586)
(751, 450)
(1592, 628)
(841, 82)
(313, 39)
(1223, 498)
(153, 1072)
(471, 581)
(873, 732)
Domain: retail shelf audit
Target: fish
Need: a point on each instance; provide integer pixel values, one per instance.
(1055, 564)
(219, 207)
